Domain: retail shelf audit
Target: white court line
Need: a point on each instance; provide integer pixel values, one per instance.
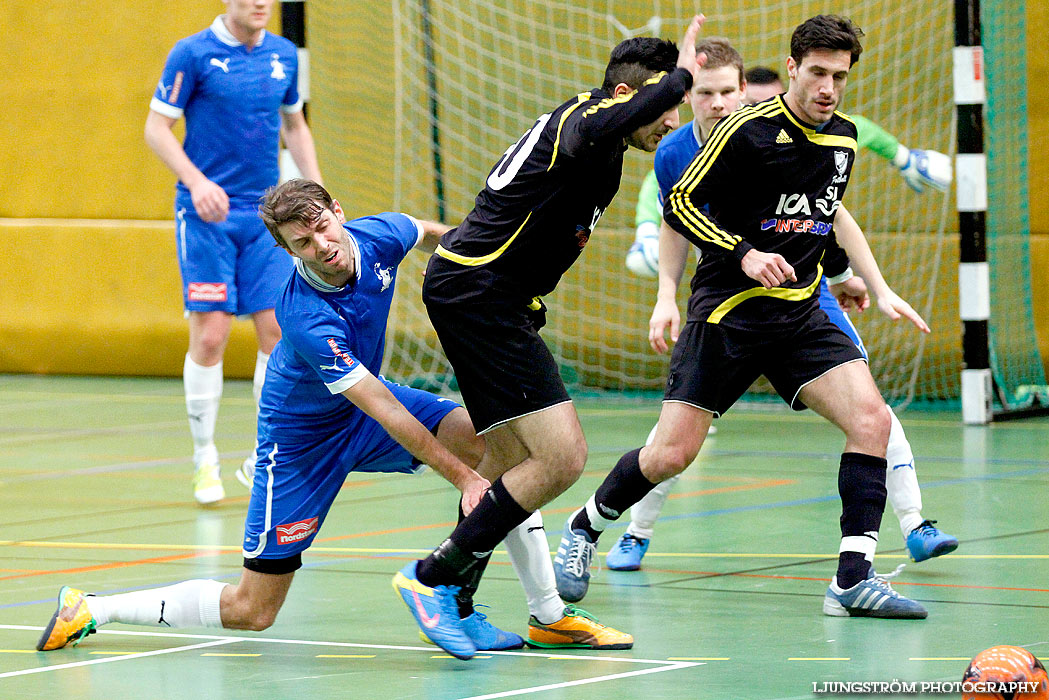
(113, 659)
(355, 645)
(668, 666)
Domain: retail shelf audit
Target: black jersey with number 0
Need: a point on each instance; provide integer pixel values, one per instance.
(544, 196)
(772, 182)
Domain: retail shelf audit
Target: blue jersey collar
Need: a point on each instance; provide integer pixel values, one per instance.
(320, 285)
(220, 30)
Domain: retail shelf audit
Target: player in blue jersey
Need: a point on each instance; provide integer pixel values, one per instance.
(236, 86)
(325, 412)
(719, 90)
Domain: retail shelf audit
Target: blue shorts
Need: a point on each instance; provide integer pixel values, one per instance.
(296, 482)
(838, 316)
(233, 266)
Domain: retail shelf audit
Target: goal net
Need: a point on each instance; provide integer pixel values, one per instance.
(468, 77)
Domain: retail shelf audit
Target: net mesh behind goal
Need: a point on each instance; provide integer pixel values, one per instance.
(418, 130)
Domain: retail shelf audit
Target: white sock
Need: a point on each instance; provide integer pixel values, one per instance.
(261, 358)
(203, 386)
(530, 556)
(188, 604)
(901, 480)
(598, 522)
(645, 513)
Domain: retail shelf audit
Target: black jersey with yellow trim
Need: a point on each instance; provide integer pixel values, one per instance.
(544, 196)
(766, 180)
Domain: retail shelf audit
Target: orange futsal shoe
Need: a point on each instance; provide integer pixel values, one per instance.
(70, 623)
(576, 630)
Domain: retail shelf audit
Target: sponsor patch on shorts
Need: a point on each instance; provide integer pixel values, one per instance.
(207, 291)
(291, 533)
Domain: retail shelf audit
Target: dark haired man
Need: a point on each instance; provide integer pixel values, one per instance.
(482, 293)
(770, 176)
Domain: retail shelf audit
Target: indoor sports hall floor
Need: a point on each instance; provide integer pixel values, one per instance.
(94, 491)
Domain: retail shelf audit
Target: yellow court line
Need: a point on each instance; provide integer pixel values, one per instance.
(698, 658)
(17, 651)
(345, 656)
(819, 658)
(410, 550)
(215, 654)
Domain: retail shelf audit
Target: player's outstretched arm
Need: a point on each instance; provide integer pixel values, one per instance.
(920, 168)
(371, 396)
(210, 200)
(851, 238)
(432, 232)
(673, 254)
(687, 58)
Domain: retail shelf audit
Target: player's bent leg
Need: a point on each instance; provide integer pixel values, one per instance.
(847, 396)
(679, 436)
(456, 432)
(557, 453)
(254, 602)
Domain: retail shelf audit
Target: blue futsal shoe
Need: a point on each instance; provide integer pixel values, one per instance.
(572, 563)
(485, 635)
(436, 611)
(626, 553)
(872, 597)
(927, 541)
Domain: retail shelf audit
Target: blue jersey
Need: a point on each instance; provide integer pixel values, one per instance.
(333, 337)
(231, 98)
(675, 152)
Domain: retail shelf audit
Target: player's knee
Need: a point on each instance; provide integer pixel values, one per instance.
(665, 461)
(872, 422)
(567, 465)
(251, 617)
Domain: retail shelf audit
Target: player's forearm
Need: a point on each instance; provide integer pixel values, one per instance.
(432, 232)
(299, 141)
(162, 141)
(618, 118)
(372, 397)
(673, 254)
(850, 237)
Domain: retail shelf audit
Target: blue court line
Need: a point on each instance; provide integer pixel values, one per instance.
(835, 497)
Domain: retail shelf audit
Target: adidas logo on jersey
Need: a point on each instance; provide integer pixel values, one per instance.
(782, 137)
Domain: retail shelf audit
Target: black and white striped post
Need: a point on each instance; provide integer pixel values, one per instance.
(293, 28)
(974, 289)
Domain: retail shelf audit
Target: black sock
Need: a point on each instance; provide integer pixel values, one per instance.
(624, 486)
(861, 484)
(465, 599)
(473, 539)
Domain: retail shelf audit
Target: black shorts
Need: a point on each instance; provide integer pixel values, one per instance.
(713, 365)
(502, 365)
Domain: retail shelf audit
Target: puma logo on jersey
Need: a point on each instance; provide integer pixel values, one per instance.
(783, 137)
(223, 64)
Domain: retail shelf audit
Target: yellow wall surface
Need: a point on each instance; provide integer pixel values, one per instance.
(1038, 130)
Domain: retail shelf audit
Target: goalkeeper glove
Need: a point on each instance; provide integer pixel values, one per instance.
(921, 168)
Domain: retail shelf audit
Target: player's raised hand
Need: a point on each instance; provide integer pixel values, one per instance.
(210, 200)
(664, 313)
(770, 269)
(852, 294)
(687, 57)
(473, 492)
(894, 307)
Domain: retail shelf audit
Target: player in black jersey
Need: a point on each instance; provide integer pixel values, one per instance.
(482, 293)
(761, 200)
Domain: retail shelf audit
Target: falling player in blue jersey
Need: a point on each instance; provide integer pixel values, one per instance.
(719, 89)
(236, 86)
(325, 412)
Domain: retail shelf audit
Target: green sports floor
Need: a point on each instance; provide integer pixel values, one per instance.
(94, 492)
